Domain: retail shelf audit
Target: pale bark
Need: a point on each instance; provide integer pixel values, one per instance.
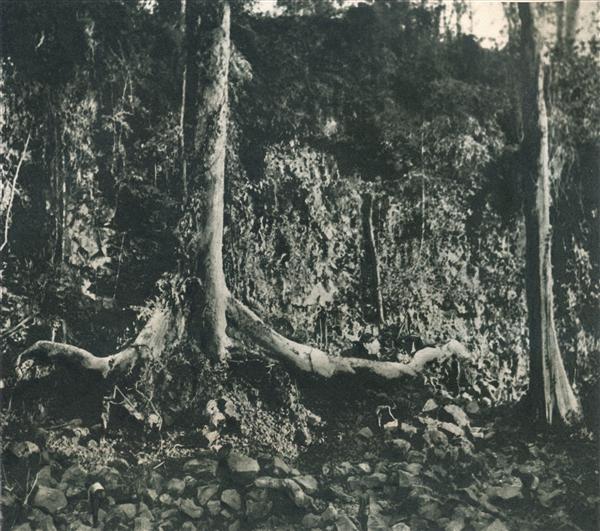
(202, 224)
(162, 328)
(313, 360)
(549, 386)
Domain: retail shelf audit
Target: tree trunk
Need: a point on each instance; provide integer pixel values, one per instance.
(370, 267)
(205, 139)
(549, 388)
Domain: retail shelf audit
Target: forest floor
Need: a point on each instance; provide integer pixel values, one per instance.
(366, 458)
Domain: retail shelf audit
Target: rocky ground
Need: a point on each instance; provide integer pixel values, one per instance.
(452, 465)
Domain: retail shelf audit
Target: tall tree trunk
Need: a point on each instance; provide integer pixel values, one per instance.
(205, 134)
(370, 266)
(549, 388)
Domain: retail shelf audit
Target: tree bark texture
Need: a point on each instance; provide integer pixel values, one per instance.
(549, 388)
(205, 140)
(370, 266)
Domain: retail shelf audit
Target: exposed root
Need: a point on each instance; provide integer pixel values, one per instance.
(312, 360)
(161, 328)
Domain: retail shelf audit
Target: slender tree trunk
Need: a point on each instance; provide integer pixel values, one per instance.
(370, 267)
(549, 388)
(205, 140)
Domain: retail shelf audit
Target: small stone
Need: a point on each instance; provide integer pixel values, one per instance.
(472, 408)
(52, 500)
(329, 515)
(175, 486)
(141, 523)
(365, 468)
(430, 405)
(150, 495)
(156, 481)
(242, 467)
(452, 429)
(235, 526)
(416, 456)
(405, 479)
(257, 510)
(280, 467)
(408, 429)
(344, 469)
(375, 480)
(44, 477)
(413, 468)
(400, 526)
(232, 499)
(189, 508)
(308, 483)
(204, 468)
(458, 414)
(125, 511)
(189, 526)
(42, 521)
(22, 527)
(165, 499)
(205, 493)
(310, 521)
(343, 523)
(144, 511)
(214, 507)
(496, 525)
(365, 433)
(400, 447)
(434, 437)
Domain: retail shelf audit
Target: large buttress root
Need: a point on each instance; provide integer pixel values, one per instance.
(312, 360)
(162, 327)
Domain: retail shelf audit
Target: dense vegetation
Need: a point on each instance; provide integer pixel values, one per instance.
(327, 106)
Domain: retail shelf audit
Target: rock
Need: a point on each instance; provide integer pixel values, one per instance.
(74, 480)
(408, 429)
(150, 495)
(344, 469)
(375, 480)
(213, 507)
(189, 526)
(365, 433)
(45, 478)
(434, 437)
(165, 499)
(391, 426)
(144, 511)
(41, 520)
(452, 429)
(280, 467)
(430, 405)
(308, 483)
(205, 493)
(257, 510)
(189, 508)
(109, 477)
(310, 521)
(496, 525)
(204, 468)
(343, 523)
(456, 524)
(175, 486)
(120, 464)
(400, 447)
(242, 467)
(365, 468)
(22, 527)
(141, 523)
(232, 499)
(505, 492)
(405, 479)
(337, 493)
(52, 500)
(124, 512)
(235, 526)
(24, 450)
(416, 456)
(156, 481)
(413, 468)
(472, 408)
(400, 526)
(458, 414)
(330, 514)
